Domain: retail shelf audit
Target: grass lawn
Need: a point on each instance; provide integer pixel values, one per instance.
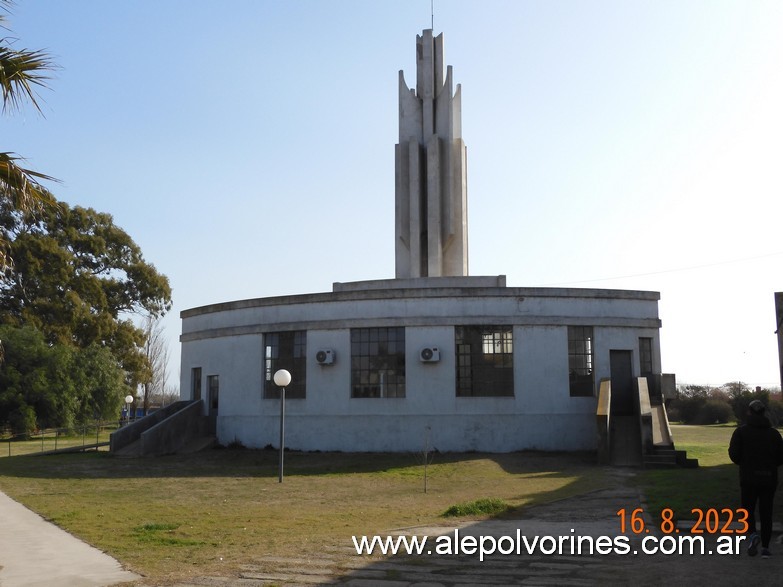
(715, 484)
(171, 517)
(209, 513)
(48, 443)
(53, 440)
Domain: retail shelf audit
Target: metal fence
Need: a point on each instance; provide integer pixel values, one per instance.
(79, 438)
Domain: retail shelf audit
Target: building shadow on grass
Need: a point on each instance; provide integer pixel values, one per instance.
(223, 462)
(573, 537)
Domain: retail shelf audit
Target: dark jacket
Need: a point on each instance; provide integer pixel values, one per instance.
(758, 450)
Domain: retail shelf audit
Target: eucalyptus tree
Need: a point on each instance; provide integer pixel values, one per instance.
(80, 280)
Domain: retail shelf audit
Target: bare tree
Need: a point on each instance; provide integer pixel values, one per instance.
(157, 353)
(170, 395)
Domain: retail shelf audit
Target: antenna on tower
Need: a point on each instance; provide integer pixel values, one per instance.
(432, 15)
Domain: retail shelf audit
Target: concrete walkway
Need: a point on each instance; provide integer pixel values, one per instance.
(36, 553)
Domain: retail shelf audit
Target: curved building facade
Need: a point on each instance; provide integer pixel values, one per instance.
(454, 364)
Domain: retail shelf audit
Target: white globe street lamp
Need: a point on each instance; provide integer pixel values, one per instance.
(128, 402)
(282, 379)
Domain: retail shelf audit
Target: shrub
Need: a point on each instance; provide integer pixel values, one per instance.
(741, 398)
(687, 409)
(486, 506)
(775, 412)
(673, 412)
(715, 411)
(22, 421)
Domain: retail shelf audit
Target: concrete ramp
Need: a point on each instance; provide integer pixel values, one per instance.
(619, 436)
(625, 445)
(662, 435)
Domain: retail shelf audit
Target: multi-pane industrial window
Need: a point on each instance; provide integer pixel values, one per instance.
(580, 360)
(195, 383)
(485, 365)
(645, 357)
(378, 362)
(285, 350)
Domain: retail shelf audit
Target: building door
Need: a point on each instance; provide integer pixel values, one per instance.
(622, 383)
(213, 394)
(213, 401)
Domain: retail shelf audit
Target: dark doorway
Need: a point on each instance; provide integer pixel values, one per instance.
(626, 448)
(213, 399)
(622, 383)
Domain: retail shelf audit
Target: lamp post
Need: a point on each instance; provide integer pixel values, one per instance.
(282, 379)
(128, 402)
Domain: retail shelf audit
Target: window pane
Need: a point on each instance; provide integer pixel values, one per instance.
(580, 361)
(213, 395)
(645, 356)
(195, 382)
(285, 350)
(378, 363)
(485, 365)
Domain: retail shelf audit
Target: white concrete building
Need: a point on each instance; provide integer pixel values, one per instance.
(434, 356)
(383, 366)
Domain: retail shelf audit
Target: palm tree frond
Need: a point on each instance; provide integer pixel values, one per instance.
(21, 73)
(22, 187)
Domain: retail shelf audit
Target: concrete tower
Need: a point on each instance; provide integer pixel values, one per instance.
(431, 176)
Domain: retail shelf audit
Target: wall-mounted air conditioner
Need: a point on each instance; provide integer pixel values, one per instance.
(430, 354)
(325, 357)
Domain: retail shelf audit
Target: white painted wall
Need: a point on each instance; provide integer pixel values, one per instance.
(227, 340)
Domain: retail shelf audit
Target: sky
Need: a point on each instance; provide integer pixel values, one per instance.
(247, 146)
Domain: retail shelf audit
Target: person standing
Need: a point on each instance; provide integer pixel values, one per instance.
(757, 448)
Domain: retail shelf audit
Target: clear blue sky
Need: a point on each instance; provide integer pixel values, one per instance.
(248, 147)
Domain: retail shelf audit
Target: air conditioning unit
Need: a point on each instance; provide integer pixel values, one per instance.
(325, 357)
(430, 354)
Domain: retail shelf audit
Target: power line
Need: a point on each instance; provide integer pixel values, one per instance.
(690, 268)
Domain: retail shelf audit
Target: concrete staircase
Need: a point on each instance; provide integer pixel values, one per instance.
(667, 457)
(643, 439)
(176, 429)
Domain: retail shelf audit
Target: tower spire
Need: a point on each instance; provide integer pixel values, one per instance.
(430, 170)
